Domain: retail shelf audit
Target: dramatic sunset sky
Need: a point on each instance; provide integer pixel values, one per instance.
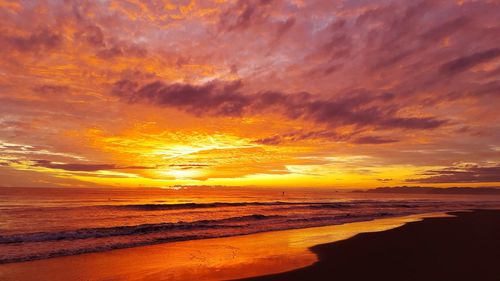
(329, 93)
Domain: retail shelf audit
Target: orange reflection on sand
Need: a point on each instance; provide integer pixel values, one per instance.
(209, 259)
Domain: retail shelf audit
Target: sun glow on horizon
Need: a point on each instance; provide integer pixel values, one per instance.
(110, 94)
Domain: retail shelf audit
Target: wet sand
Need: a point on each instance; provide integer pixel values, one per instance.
(209, 259)
(466, 247)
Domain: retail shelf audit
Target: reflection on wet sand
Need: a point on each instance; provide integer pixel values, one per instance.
(209, 259)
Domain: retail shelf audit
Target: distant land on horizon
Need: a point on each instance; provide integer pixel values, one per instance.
(432, 190)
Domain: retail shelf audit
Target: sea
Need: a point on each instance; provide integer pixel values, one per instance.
(40, 223)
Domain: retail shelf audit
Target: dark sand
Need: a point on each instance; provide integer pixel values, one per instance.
(466, 247)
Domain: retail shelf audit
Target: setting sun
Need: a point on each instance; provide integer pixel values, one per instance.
(261, 139)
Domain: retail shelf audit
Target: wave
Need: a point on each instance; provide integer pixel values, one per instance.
(194, 206)
(100, 248)
(40, 245)
(181, 206)
(101, 232)
(286, 223)
(309, 204)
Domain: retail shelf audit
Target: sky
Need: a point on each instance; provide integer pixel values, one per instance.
(275, 93)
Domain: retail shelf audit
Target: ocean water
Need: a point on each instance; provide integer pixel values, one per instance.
(38, 223)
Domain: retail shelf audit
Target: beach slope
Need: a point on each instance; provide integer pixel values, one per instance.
(465, 247)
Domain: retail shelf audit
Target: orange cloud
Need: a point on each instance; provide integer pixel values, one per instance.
(265, 92)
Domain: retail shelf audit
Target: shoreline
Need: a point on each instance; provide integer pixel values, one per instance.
(136, 244)
(225, 258)
(463, 247)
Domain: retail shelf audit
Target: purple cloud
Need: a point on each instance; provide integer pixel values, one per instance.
(78, 167)
(219, 98)
(37, 40)
(467, 62)
(467, 174)
(373, 140)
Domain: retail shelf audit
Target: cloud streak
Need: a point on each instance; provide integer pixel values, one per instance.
(40, 40)
(466, 174)
(249, 88)
(219, 98)
(467, 62)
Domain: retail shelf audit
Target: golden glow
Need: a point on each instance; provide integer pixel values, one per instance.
(139, 93)
(180, 174)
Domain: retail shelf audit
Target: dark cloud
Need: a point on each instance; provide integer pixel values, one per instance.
(373, 140)
(218, 98)
(73, 167)
(468, 173)
(413, 123)
(355, 108)
(91, 34)
(297, 136)
(51, 89)
(41, 39)
(491, 89)
(334, 47)
(188, 166)
(338, 46)
(244, 14)
(467, 62)
(393, 31)
(78, 167)
(107, 46)
(118, 49)
(384, 180)
(446, 29)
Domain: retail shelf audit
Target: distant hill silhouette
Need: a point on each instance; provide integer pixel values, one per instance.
(433, 190)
